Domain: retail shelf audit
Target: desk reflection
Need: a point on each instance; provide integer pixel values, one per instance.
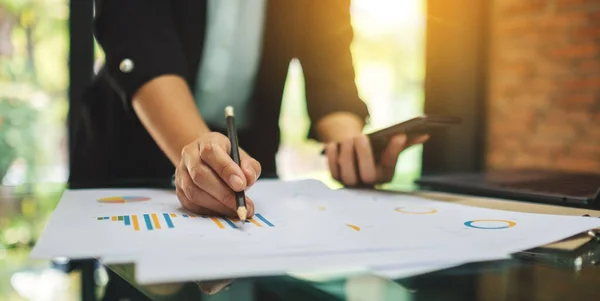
(512, 279)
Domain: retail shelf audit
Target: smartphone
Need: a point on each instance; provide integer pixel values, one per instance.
(426, 124)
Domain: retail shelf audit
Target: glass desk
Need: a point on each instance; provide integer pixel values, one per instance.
(537, 275)
(570, 275)
(557, 273)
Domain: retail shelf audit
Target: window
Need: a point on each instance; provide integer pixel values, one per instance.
(33, 91)
(388, 52)
(33, 137)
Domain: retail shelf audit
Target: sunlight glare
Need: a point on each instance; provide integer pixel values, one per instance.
(391, 13)
(46, 285)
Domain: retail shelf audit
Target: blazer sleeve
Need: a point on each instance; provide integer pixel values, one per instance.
(139, 41)
(325, 39)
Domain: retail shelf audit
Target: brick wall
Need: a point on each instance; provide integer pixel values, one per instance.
(544, 85)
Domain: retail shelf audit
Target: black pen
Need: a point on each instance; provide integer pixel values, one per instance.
(240, 197)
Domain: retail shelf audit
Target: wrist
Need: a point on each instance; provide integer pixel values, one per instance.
(339, 126)
(166, 108)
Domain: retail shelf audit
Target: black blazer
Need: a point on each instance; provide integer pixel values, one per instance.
(166, 37)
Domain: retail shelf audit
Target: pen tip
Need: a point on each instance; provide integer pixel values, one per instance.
(228, 111)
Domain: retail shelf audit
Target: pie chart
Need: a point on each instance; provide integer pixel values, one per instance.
(123, 199)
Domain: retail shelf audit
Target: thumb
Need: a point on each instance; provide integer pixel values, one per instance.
(395, 146)
(417, 140)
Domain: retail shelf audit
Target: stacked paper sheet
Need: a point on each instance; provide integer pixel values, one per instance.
(299, 226)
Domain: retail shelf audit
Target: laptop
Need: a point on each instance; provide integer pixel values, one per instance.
(539, 186)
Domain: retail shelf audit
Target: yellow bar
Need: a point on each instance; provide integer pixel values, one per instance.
(192, 216)
(136, 226)
(155, 220)
(218, 222)
(114, 218)
(255, 222)
(173, 215)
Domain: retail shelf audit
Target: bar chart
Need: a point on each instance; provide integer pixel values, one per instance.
(149, 221)
(160, 221)
(231, 223)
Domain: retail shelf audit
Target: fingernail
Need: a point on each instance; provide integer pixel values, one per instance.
(236, 182)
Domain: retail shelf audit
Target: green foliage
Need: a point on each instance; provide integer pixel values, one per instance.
(17, 133)
(33, 108)
(33, 84)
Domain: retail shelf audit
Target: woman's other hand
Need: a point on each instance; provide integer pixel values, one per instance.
(352, 161)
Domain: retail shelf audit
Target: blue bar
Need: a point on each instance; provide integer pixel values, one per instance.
(106, 217)
(264, 220)
(168, 220)
(230, 223)
(126, 218)
(148, 222)
(185, 215)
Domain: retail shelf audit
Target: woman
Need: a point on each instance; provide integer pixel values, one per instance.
(156, 107)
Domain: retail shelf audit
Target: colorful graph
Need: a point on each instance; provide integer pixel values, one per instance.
(490, 224)
(123, 199)
(413, 210)
(226, 222)
(355, 228)
(150, 221)
(159, 221)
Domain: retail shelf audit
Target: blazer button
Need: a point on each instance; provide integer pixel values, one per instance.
(126, 66)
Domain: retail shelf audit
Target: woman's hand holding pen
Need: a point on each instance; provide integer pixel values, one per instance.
(207, 177)
(352, 161)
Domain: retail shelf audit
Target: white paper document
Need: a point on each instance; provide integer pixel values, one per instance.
(124, 222)
(299, 225)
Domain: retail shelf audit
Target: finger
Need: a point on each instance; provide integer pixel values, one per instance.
(417, 140)
(366, 162)
(250, 207)
(214, 286)
(191, 207)
(346, 163)
(217, 189)
(209, 209)
(207, 180)
(201, 200)
(389, 158)
(331, 151)
(231, 202)
(190, 157)
(251, 168)
(215, 153)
